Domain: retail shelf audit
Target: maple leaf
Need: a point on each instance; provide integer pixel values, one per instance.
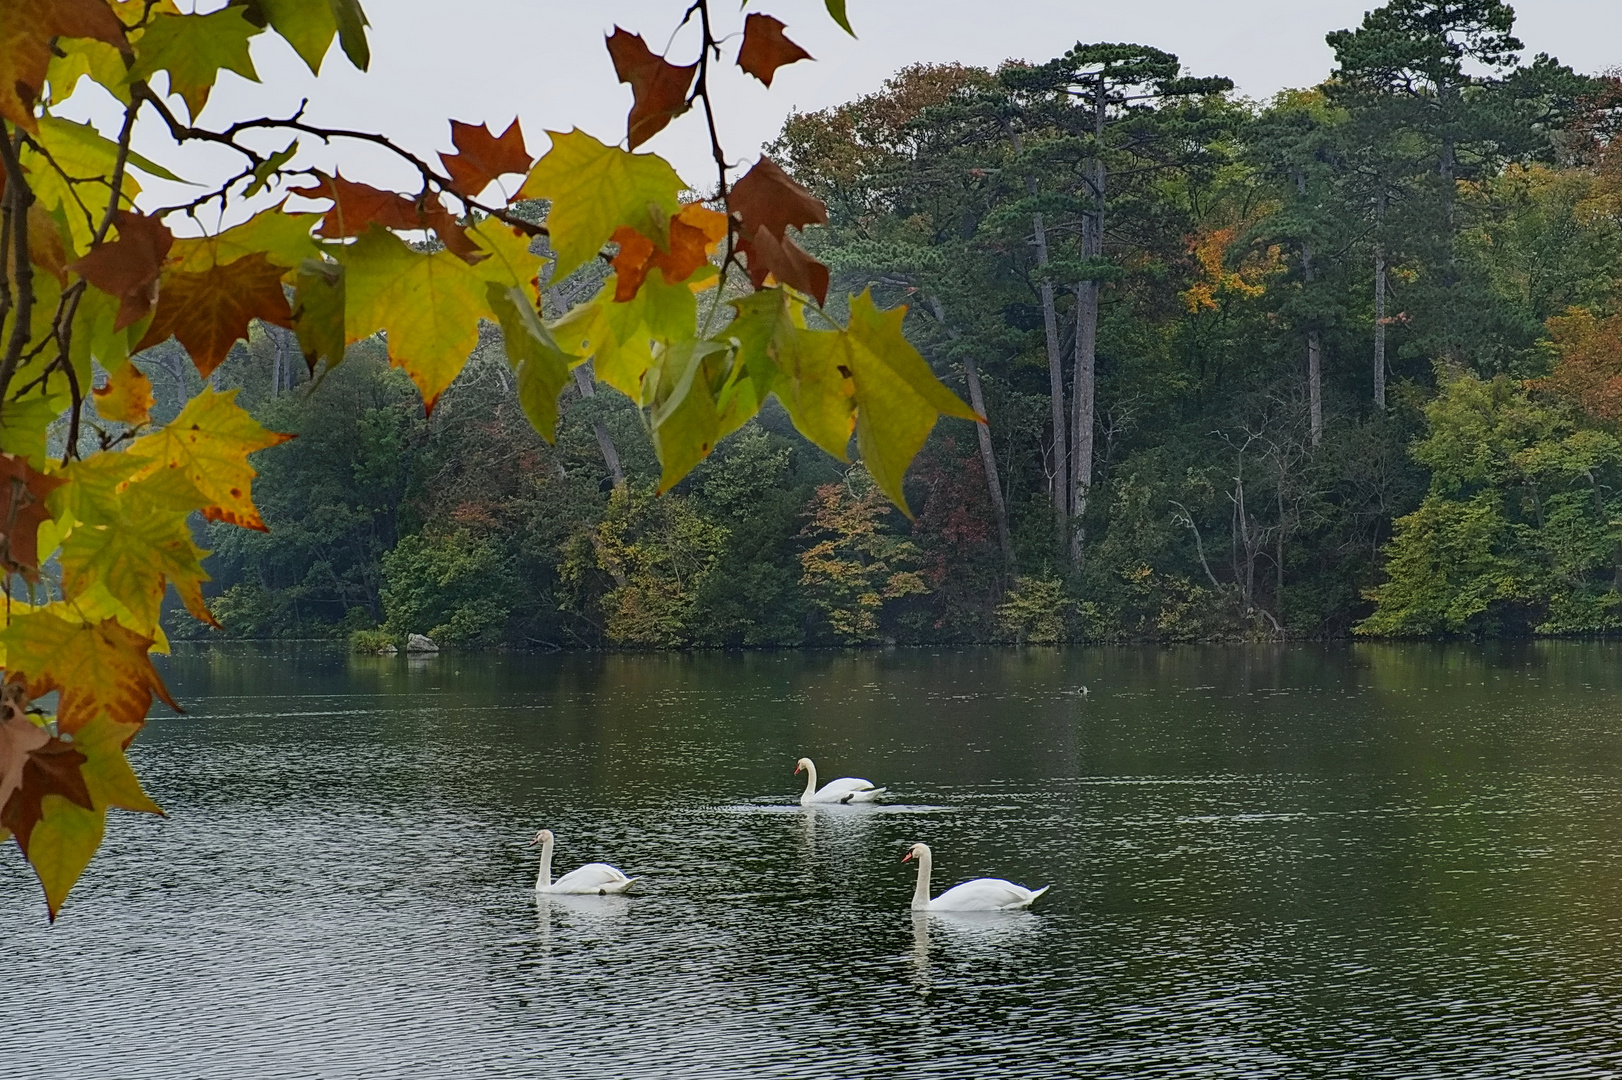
(897, 397)
(318, 312)
(785, 261)
(25, 47)
(694, 234)
(194, 49)
(45, 248)
(283, 237)
(126, 398)
(543, 368)
(765, 49)
(357, 207)
(18, 738)
(684, 419)
(481, 157)
(130, 537)
(808, 370)
(594, 189)
(96, 668)
(209, 442)
(640, 330)
(658, 87)
(51, 769)
(128, 267)
(767, 197)
(310, 25)
(429, 305)
(209, 312)
(22, 510)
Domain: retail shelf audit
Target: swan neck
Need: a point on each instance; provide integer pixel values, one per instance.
(920, 895)
(544, 877)
(810, 780)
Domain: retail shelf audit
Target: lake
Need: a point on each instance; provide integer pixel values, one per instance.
(1393, 861)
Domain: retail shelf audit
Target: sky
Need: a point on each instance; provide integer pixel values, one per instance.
(544, 61)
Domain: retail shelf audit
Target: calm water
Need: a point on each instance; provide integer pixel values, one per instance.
(1373, 861)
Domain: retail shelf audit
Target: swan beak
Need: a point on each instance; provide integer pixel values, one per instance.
(796, 770)
(907, 857)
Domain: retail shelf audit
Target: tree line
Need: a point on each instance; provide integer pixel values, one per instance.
(1346, 361)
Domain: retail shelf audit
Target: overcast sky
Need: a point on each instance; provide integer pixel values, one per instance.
(543, 60)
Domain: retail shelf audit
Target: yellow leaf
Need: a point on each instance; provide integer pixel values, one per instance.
(897, 396)
(209, 443)
(510, 264)
(61, 846)
(685, 422)
(106, 771)
(429, 305)
(643, 327)
(594, 189)
(127, 397)
(96, 668)
(282, 237)
(542, 367)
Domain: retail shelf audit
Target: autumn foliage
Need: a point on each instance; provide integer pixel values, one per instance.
(710, 307)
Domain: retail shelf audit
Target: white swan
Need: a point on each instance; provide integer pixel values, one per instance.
(847, 789)
(596, 878)
(981, 894)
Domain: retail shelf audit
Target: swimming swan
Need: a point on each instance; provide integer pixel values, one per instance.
(981, 894)
(596, 878)
(847, 789)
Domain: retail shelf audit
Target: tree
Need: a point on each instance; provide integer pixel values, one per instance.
(90, 272)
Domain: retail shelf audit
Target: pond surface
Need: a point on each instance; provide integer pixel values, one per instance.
(1370, 861)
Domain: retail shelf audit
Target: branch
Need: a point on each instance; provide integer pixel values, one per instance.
(17, 199)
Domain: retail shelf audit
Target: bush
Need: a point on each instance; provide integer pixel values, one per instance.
(371, 641)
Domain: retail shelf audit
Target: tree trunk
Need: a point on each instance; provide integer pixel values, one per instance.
(1314, 340)
(1050, 324)
(1086, 386)
(1379, 328)
(988, 460)
(605, 442)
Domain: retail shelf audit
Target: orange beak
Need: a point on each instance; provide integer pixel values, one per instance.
(907, 857)
(796, 770)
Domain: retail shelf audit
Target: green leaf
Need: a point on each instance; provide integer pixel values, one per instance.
(194, 49)
(685, 422)
(594, 189)
(61, 846)
(282, 237)
(106, 771)
(23, 424)
(510, 263)
(318, 312)
(542, 367)
(807, 369)
(643, 328)
(836, 8)
(352, 26)
(428, 304)
(897, 396)
(267, 168)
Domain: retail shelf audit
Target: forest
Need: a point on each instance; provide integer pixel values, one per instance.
(1344, 362)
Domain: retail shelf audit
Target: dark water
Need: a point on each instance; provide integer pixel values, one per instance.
(1373, 861)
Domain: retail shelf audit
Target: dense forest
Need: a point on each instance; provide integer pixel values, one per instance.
(1348, 361)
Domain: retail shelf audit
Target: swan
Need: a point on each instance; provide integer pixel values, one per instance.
(847, 789)
(981, 894)
(596, 878)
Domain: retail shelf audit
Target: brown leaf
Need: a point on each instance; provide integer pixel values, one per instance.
(767, 197)
(658, 87)
(482, 157)
(208, 312)
(97, 669)
(695, 232)
(51, 769)
(127, 397)
(25, 47)
(786, 262)
(357, 207)
(22, 511)
(18, 738)
(765, 49)
(45, 248)
(128, 268)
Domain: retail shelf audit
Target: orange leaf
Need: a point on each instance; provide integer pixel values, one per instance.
(658, 87)
(210, 311)
(25, 47)
(765, 49)
(694, 233)
(95, 668)
(18, 738)
(128, 268)
(127, 397)
(482, 157)
(22, 511)
(786, 262)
